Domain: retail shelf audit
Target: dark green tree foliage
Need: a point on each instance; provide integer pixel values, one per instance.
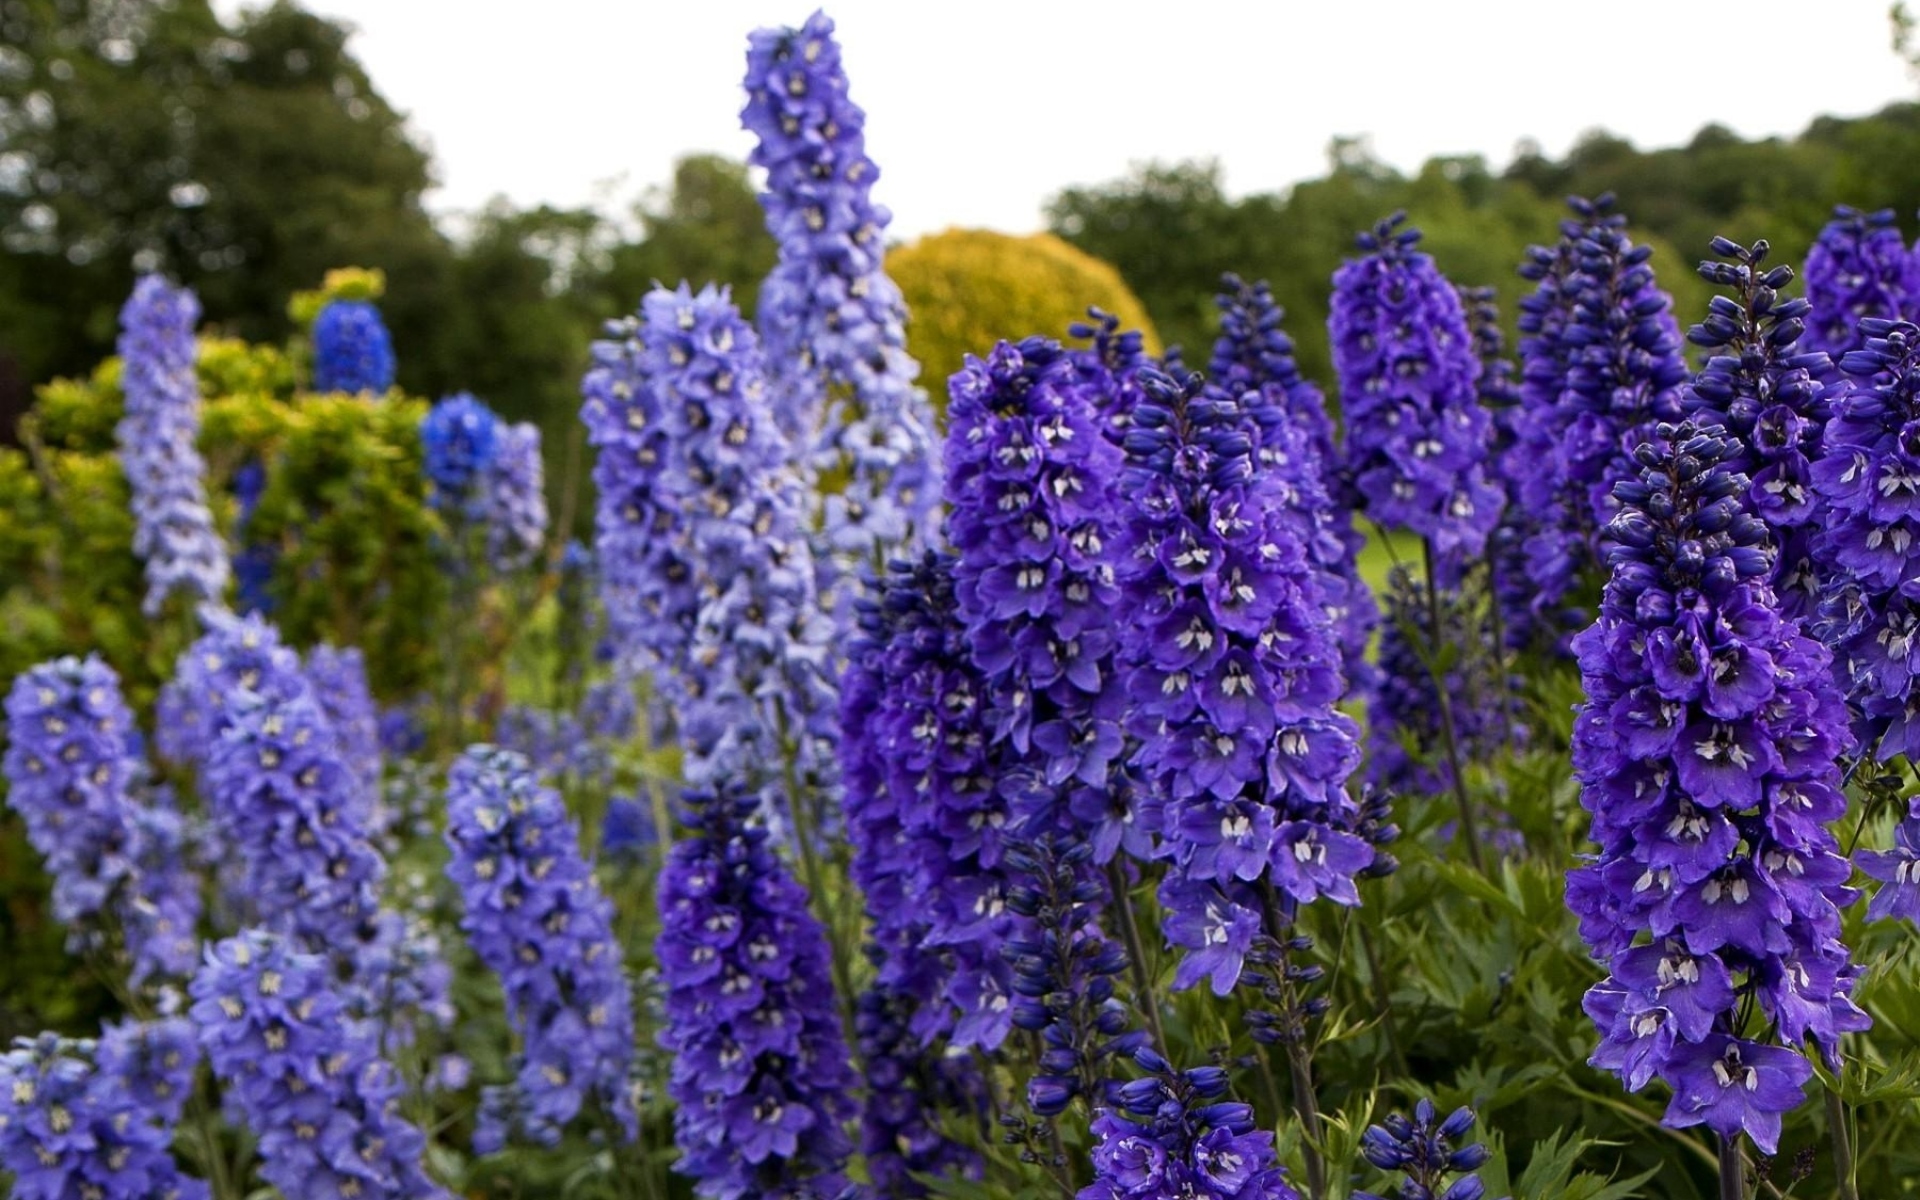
(707, 227)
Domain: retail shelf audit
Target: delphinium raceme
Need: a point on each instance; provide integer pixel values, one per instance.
(1173, 1133)
(233, 655)
(459, 438)
(92, 1120)
(1707, 753)
(1857, 268)
(114, 845)
(1253, 362)
(513, 500)
(908, 1086)
(1502, 396)
(1233, 674)
(1764, 390)
(833, 322)
(761, 1082)
(536, 917)
(339, 682)
(1433, 1156)
(173, 527)
(253, 562)
(1867, 548)
(352, 351)
(1109, 367)
(1417, 439)
(304, 1077)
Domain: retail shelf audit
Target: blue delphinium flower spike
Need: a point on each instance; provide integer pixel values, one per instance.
(1172, 1133)
(1433, 1156)
(352, 351)
(1858, 268)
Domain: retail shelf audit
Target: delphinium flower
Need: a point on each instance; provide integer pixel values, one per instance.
(761, 1082)
(1108, 368)
(908, 1085)
(1706, 752)
(339, 681)
(513, 499)
(833, 322)
(1898, 870)
(1417, 439)
(628, 833)
(252, 562)
(1501, 395)
(1173, 1133)
(233, 655)
(1867, 547)
(556, 744)
(1253, 362)
(460, 437)
(1405, 739)
(1765, 391)
(303, 1076)
(173, 527)
(1858, 267)
(1434, 1156)
(536, 917)
(87, 1120)
(352, 351)
(928, 823)
(114, 844)
(1619, 352)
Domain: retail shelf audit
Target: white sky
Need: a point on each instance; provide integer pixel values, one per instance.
(978, 113)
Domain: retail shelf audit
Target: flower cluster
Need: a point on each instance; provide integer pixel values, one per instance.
(704, 564)
(1502, 396)
(761, 1081)
(1253, 363)
(1857, 268)
(1706, 752)
(94, 1119)
(908, 1085)
(111, 843)
(834, 323)
(339, 682)
(1232, 675)
(1171, 1133)
(927, 821)
(1898, 870)
(1868, 545)
(1416, 437)
(513, 501)
(1607, 354)
(234, 655)
(352, 352)
(459, 439)
(1765, 392)
(1429, 1152)
(173, 527)
(303, 1077)
(253, 562)
(536, 917)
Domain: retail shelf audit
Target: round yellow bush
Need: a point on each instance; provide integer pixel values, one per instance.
(969, 288)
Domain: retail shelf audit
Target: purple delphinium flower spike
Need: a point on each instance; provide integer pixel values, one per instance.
(928, 823)
(909, 1085)
(1707, 753)
(1857, 268)
(352, 351)
(537, 918)
(80, 1118)
(304, 1077)
(1765, 391)
(833, 322)
(113, 844)
(513, 499)
(173, 527)
(1417, 439)
(253, 562)
(1233, 674)
(1867, 548)
(459, 439)
(234, 655)
(1430, 1152)
(1503, 397)
(1898, 870)
(339, 682)
(761, 1082)
(1253, 361)
(704, 563)
(1172, 1133)
(1614, 370)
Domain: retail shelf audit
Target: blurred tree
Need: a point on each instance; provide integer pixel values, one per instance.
(706, 227)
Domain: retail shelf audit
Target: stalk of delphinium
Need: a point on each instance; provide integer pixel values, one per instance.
(339, 682)
(513, 500)
(1437, 1161)
(114, 844)
(1867, 548)
(928, 823)
(1857, 268)
(93, 1119)
(1707, 753)
(233, 655)
(1501, 395)
(303, 1076)
(833, 322)
(1233, 674)
(537, 918)
(252, 562)
(459, 439)
(1172, 1133)
(761, 1081)
(352, 351)
(1765, 391)
(1109, 367)
(1253, 360)
(908, 1085)
(173, 527)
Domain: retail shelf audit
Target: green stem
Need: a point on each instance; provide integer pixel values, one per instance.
(1382, 1001)
(1136, 954)
(816, 877)
(1842, 1145)
(1469, 826)
(1733, 1170)
(1306, 1105)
